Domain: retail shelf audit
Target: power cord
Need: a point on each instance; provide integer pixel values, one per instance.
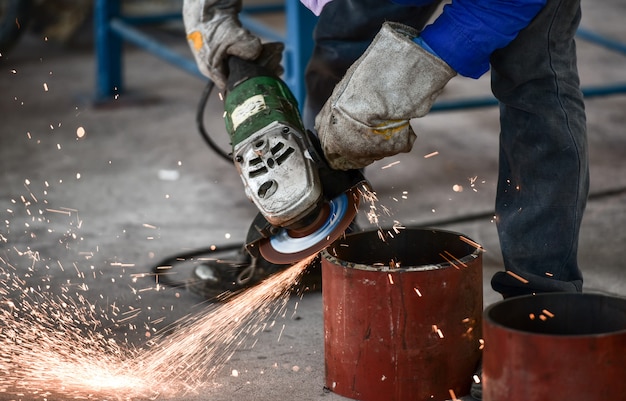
(200, 123)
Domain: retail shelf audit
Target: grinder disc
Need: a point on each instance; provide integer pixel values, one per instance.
(284, 247)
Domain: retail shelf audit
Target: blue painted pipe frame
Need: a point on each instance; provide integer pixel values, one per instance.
(111, 29)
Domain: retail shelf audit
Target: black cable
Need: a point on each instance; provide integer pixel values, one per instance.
(200, 122)
(606, 193)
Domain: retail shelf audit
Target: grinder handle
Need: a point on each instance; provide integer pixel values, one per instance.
(240, 70)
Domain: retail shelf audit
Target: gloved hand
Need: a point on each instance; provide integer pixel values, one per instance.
(367, 116)
(214, 32)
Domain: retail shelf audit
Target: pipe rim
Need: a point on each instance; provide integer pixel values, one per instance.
(467, 259)
(488, 319)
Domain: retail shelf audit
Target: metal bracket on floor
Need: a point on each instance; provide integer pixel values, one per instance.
(112, 29)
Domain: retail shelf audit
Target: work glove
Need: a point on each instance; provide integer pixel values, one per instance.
(367, 116)
(214, 33)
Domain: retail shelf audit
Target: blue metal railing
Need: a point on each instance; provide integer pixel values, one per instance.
(112, 29)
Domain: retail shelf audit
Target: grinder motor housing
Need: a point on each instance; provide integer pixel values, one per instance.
(271, 149)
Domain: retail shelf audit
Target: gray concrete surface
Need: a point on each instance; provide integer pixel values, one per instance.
(91, 214)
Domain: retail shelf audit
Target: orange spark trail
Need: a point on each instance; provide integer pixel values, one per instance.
(49, 345)
(202, 344)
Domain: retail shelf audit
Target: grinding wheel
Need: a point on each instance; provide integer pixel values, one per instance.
(289, 247)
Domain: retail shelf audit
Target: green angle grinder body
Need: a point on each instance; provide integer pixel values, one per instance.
(280, 167)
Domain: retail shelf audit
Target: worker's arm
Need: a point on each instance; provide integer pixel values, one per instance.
(468, 31)
(402, 72)
(367, 116)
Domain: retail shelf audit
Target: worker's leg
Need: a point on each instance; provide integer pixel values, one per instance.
(344, 30)
(543, 177)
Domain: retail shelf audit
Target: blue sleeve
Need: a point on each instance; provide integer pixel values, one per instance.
(468, 31)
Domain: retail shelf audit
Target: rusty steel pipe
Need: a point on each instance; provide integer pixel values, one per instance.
(403, 316)
(564, 346)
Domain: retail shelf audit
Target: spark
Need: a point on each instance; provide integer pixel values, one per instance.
(58, 344)
(517, 276)
(390, 165)
(280, 334)
(397, 226)
(451, 259)
(548, 313)
(437, 330)
(370, 196)
(203, 343)
(472, 181)
(381, 235)
(472, 243)
(120, 264)
(452, 395)
(435, 153)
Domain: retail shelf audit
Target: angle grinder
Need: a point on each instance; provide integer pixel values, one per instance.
(303, 204)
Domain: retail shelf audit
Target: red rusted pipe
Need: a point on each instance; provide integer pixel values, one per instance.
(557, 346)
(403, 316)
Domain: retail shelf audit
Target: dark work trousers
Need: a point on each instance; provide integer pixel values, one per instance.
(543, 170)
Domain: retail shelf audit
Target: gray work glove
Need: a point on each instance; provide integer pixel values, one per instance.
(367, 116)
(214, 32)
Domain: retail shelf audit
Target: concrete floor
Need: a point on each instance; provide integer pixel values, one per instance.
(140, 185)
